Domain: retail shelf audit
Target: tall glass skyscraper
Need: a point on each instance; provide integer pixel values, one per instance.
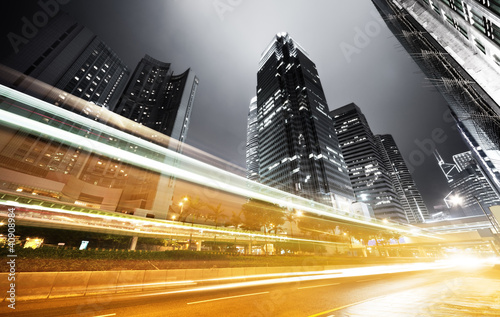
(457, 45)
(409, 195)
(467, 182)
(68, 56)
(370, 179)
(252, 148)
(298, 151)
(158, 99)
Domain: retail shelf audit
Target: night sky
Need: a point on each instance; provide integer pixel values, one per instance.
(357, 57)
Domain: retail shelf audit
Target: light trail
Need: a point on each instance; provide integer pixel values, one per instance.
(313, 276)
(227, 297)
(135, 221)
(203, 175)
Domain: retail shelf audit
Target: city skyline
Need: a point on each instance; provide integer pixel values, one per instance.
(203, 36)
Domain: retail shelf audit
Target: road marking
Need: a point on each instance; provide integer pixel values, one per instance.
(345, 306)
(229, 297)
(371, 279)
(318, 285)
(113, 314)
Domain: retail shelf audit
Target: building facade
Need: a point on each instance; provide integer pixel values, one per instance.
(457, 46)
(68, 56)
(252, 146)
(297, 148)
(370, 179)
(409, 195)
(472, 189)
(158, 99)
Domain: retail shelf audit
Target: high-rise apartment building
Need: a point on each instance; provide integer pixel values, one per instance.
(68, 56)
(370, 179)
(158, 99)
(457, 45)
(406, 189)
(297, 148)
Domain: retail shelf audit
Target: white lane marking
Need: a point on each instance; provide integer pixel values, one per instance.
(113, 314)
(229, 297)
(318, 285)
(370, 279)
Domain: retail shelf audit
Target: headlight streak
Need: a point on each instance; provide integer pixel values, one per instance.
(135, 221)
(309, 276)
(273, 195)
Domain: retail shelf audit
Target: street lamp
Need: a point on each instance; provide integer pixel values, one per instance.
(457, 200)
(181, 204)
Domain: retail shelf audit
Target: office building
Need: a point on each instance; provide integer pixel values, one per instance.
(158, 99)
(469, 188)
(252, 147)
(297, 148)
(457, 46)
(406, 189)
(370, 179)
(66, 55)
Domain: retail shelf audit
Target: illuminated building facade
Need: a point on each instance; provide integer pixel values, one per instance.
(370, 179)
(158, 99)
(252, 147)
(467, 182)
(457, 46)
(298, 151)
(68, 56)
(409, 195)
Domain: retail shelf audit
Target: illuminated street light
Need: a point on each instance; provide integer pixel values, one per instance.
(455, 200)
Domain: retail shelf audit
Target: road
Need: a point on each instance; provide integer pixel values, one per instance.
(402, 294)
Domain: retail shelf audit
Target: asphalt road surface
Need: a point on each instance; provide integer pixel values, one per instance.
(379, 294)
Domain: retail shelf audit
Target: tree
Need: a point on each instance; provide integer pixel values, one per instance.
(258, 214)
(191, 207)
(290, 217)
(216, 212)
(236, 219)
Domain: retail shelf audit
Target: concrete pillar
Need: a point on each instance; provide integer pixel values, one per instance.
(133, 243)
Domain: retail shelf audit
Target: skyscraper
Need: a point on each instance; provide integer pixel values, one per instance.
(252, 148)
(370, 179)
(158, 99)
(66, 55)
(298, 151)
(408, 193)
(457, 45)
(467, 182)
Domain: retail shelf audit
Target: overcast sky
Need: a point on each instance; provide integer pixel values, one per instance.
(357, 57)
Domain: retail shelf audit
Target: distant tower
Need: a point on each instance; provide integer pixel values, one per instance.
(409, 195)
(467, 182)
(298, 150)
(448, 169)
(252, 148)
(370, 179)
